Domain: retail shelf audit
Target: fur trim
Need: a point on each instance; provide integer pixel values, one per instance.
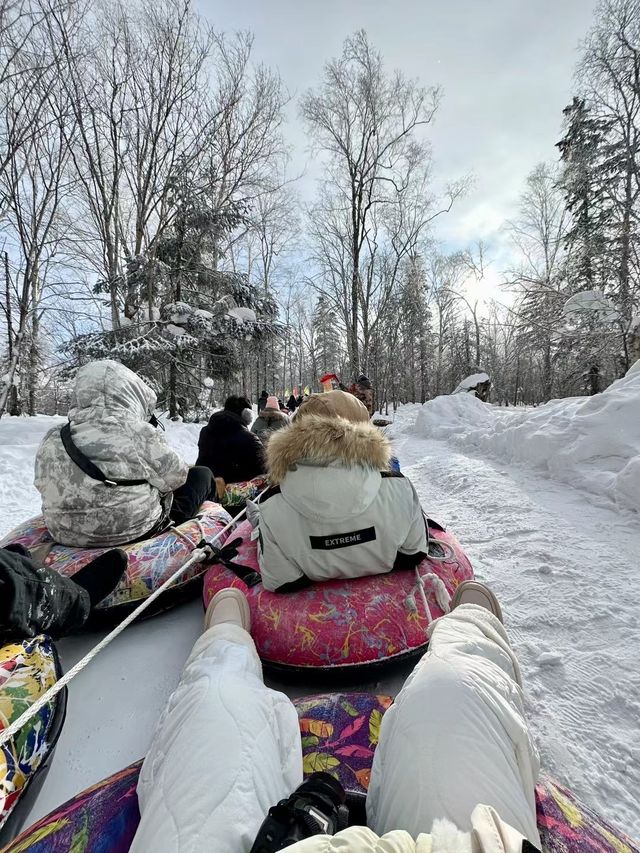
(446, 838)
(325, 440)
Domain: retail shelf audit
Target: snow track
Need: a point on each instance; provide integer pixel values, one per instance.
(566, 573)
(565, 569)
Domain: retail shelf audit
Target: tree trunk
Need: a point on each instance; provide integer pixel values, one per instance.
(354, 358)
(173, 381)
(33, 344)
(547, 375)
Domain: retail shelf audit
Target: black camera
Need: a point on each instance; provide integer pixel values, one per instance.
(315, 808)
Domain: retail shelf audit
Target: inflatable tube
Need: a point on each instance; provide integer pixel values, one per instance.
(27, 669)
(151, 562)
(341, 624)
(339, 733)
(236, 495)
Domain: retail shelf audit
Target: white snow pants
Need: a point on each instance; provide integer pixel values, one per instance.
(456, 735)
(225, 750)
(227, 747)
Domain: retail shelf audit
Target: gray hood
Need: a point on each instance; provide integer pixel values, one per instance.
(107, 389)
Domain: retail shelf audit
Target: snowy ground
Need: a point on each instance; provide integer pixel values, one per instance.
(564, 568)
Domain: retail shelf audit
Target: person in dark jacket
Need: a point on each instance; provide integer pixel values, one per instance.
(363, 390)
(292, 404)
(262, 400)
(227, 447)
(35, 599)
(270, 420)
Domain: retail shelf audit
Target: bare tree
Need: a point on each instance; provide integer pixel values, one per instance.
(34, 183)
(367, 122)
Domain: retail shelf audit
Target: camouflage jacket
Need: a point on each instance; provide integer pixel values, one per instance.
(109, 421)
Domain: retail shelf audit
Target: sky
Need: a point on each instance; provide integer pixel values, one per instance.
(506, 68)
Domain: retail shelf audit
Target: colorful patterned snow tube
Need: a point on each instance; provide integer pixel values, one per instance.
(343, 623)
(27, 670)
(339, 734)
(236, 495)
(151, 561)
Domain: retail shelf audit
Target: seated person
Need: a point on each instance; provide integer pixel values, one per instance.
(334, 509)
(112, 478)
(226, 445)
(270, 420)
(454, 770)
(363, 390)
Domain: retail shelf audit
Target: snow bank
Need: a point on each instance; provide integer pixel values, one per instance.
(471, 382)
(20, 438)
(591, 443)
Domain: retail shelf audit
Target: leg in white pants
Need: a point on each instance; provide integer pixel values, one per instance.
(456, 735)
(226, 749)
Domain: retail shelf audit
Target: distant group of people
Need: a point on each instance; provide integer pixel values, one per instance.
(455, 738)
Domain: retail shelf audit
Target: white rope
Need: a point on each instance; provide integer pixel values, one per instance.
(423, 596)
(198, 556)
(436, 583)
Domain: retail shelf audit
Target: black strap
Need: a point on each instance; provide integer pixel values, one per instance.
(225, 556)
(394, 474)
(271, 491)
(87, 466)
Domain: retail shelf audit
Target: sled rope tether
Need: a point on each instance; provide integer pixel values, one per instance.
(198, 555)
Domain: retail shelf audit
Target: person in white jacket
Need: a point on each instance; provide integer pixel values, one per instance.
(454, 770)
(335, 510)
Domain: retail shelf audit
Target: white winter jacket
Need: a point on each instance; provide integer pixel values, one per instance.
(110, 425)
(335, 510)
(489, 834)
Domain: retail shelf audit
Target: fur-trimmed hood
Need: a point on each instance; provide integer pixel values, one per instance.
(326, 441)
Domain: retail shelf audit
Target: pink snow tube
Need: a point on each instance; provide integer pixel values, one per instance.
(151, 561)
(342, 623)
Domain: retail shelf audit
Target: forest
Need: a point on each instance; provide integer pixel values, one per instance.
(149, 213)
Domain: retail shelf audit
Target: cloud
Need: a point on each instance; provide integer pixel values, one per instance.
(506, 68)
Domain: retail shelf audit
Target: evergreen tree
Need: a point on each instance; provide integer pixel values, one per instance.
(188, 322)
(582, 151)
(414, 332)
(328, 343)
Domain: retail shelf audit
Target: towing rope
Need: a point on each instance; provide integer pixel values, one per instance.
(199, 554)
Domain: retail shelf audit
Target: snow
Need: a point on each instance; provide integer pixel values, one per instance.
(243, 315)
(563, 561)
(471, 382)
(592, 443)
(590, 302)
(176, 331)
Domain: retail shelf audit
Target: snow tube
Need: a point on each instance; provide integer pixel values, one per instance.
(339, 734)
(151, 562)
(27, 669)
(236, 495)
(341, 624)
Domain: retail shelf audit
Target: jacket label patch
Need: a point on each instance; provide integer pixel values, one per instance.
(342, 540)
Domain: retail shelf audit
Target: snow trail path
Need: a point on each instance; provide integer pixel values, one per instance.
(564, 569)
(566, 573)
